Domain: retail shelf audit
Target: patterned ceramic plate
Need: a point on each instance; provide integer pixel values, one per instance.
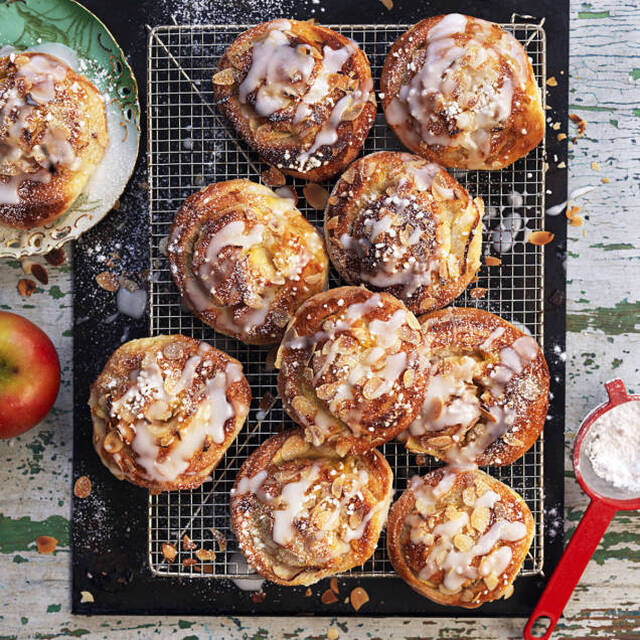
(69, 31)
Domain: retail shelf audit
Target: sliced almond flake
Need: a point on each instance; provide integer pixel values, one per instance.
(82, 487)
(552, 82)
(188, 544)
(205, 554)
(333, 633)
(540, 238)
(108, 281)
(56, 257)
(388, 4)
(316, 195)
(359, 597)
(561, 136)
(46, 544)
(273, 177)
(308, 593)
(328, 597)
(333, 584)
(225, 77)
(492, 261)
(86, 596)
(26, 287)
(169, 551)
(595, 166)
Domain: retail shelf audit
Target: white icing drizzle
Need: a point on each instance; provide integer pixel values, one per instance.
(249, 484)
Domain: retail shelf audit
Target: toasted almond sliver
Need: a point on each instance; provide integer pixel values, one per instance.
(492, 261)
(273, 177)
(82, 487)
(540, 238)
(46, 544)
(169, 551)
(86, 596)
(205, 554)
(224, 77)
(328, 597)
(108, 281)
(358, 597)
(333, 633)
(308, 593)
(188, 544)
(552, 82)
(26, 287)
(316, 195)
(333, 583)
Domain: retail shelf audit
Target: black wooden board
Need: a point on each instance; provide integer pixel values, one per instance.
(110, 527)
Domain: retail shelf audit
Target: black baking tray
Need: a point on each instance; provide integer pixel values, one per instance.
(109, 533)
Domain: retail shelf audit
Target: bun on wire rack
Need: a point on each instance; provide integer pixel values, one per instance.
(244, 259)
(300, 94)
(459, 537)
(165, 410)
(488, 392)
(351, 370)
(398, 223)
(302, 513)
(53, 134)
(461, 91)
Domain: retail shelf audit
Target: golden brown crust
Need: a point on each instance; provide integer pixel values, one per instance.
(244, 259)
(53, 133)
(351, 372)
(303, 108)
(302, 513)
(459, 538)
(397, 223)
(488, 391)
(165, 410)
(460, 91)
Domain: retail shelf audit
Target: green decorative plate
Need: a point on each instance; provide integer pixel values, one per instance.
(67, 30)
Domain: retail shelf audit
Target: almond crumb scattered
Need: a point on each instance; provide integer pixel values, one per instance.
(333, 633)
(26, 287)
(86, 596)
(540, 238)
(316, 195)
(359, 597)
(55, 257)
(552, 82)
(273, 177)
(219, 537)
(573, 210)
(205, 554)
(492, 261)
(108, 281)
(562, 165)
(308, 593)
(190, 562)
(561, 136)
(605, 180)
(31, 268)
(46, 544)
(333, 584)
(82, 487)
(388, 4)
(328, 597)
(188, 544)
(595, 166)
(579, 122)
(169, 551)
(555, 126)
(576, 221)
(478, 292)
(258, 596)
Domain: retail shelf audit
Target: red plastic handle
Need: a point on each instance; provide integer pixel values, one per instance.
(571, 566)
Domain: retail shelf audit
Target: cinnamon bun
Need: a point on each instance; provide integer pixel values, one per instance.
(302, 513)
(53, 133)
(300, 94)
(488, 392)
(244, 259)
(165, 409)
(400, 224)
(351, 370)
(461, 92)
(459, 538)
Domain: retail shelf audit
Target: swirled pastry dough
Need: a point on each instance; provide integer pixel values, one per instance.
(397, 223)
(302, 513)
(53, 133)
(459, 538)
(244, 259)
(165, 409)
(461, 92)
(300, 94)
(488, 390)
(351, 371)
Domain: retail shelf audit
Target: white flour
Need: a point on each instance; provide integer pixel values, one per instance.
(613, 446)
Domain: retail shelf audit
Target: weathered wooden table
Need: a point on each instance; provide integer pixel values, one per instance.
(603, 341)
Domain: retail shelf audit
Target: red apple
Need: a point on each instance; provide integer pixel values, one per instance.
(29, 374)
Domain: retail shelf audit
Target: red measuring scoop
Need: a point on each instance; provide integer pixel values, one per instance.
(606, 500)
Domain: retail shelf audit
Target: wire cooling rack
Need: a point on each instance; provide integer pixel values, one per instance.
(189, 147)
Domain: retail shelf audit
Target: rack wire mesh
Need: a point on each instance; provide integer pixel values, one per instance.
(189, 147)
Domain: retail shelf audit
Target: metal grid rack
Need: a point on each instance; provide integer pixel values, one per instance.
(189, 147)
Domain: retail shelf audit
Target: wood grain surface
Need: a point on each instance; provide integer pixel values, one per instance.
(603, 341)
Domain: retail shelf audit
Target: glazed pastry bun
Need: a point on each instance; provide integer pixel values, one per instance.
(488, 390)
(165, 409)
(302, 513)
(351, 370)
(397, 223)
(300, 94)
(461, 92)
(244, 259)
(459, 538)
(53, 133)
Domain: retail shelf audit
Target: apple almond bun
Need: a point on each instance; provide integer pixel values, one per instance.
(165, 409)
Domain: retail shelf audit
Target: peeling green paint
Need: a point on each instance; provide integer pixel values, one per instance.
(584, 107)
(19, 534)
(615, 363)
(636, 112)
(614, 246)
(590, 15)
(65, 632)
(52, 608)
(622, 318)
(56, 293)
(18, 559)
(614, 123)
(635, 73)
